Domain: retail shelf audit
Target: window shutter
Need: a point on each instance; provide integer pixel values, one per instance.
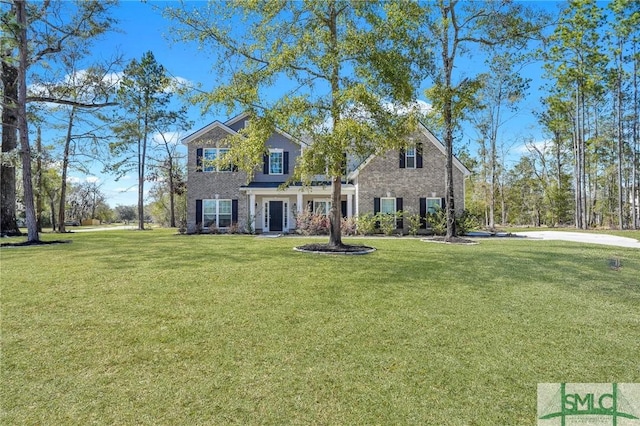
(343, 165)
(423, 213)
(234, 167)
(343, 208)
(443, 203)
(265, 165)
(399, 221)
(234, 211)
(199, 160)
(376, 210)
(285, 163)
(310, 206)
(402, 159)
(419, 155)
(198, 212)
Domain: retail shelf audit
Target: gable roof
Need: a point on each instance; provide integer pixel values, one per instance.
(431, 138)
(226, 127)
(206, 129)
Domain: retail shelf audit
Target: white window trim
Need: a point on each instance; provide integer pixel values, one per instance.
(394, 205)
(413, 156)
(277, 151)
(217, 212)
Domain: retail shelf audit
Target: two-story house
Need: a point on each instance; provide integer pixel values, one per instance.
(412, 180)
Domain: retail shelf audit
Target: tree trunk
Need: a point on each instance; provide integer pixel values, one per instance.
(39, 181)
(172, 213)
(8, 223)
(32, 226)
(620, 140)
(635, 193)
(335, 216)
(65, 167)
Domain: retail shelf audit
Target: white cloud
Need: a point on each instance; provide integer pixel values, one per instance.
(542, 146)
(92, 179)
(73, 179)
(172, 138)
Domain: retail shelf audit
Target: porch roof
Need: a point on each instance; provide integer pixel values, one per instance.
(279, 188)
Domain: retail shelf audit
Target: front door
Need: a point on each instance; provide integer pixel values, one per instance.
(275, 216)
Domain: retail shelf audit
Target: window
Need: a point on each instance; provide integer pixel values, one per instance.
(410, 158)
(216, 213)
(276, 162)
(321, 207)
(388, 205)
(210, 155)
(433, 205)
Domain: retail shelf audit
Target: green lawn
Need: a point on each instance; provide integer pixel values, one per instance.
(130, 327)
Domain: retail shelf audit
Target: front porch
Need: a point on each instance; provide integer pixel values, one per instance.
(272, 209)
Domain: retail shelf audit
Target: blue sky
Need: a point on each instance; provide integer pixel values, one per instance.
(142, 28)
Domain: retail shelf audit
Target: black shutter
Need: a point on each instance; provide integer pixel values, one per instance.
(285, 162)
(265, 165)
(399, 221)
(234, 167)
(234, 211)
(419, 155)
(423, 213)
(443, 203)
(198, 212)
(199, 160)
(376, 209)
(343, 208)
(310, 206)
(343, 165)
(402, 159)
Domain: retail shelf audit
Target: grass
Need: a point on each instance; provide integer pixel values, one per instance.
(126, 327)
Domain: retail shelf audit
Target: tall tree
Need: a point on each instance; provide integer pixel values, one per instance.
(574, 59)
(344, 79)
(34, 33)
(145, 97)
(168, 171)
(457, 28)
(501, 90)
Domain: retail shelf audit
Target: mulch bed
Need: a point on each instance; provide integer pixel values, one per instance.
(34, 243)
(453, 240)
(329, 249)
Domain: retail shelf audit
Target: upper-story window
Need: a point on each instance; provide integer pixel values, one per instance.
(276, 162)
(210, 155)
(410, 158)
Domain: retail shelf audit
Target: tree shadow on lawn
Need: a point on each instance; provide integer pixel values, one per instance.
(34, 243)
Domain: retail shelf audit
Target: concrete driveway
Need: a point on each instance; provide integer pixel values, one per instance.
(609, 240)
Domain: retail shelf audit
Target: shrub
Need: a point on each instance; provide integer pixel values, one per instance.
(467, 222)
(308, 223)
(366, 224)
(438, 221)
(414, 223)
(464, 223)
(387, 222)
(349, 226)
(234, 228)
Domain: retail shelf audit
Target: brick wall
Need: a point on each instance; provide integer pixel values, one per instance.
(205, 185)
(383, 177)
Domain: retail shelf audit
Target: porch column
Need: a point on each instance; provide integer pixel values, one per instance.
(349, 205)
(299, 206)
(252, 211)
